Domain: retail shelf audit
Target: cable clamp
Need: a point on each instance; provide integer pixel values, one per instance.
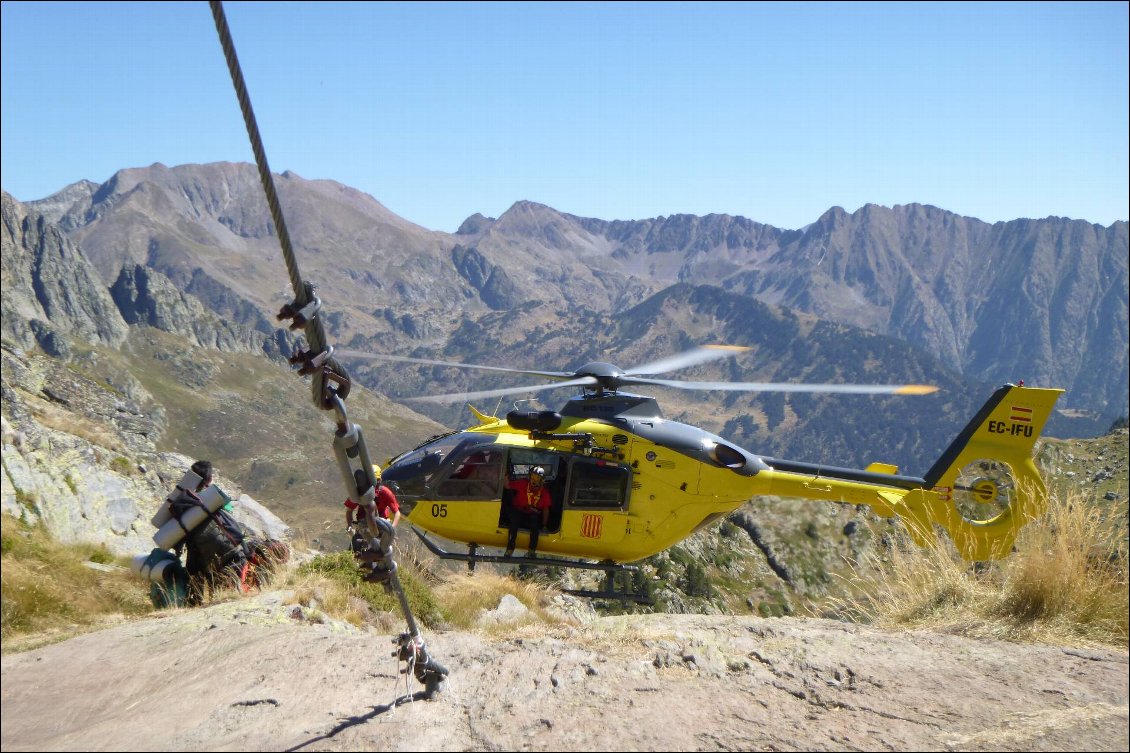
(300, 314)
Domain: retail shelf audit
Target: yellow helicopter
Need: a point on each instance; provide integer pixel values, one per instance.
(626, 483)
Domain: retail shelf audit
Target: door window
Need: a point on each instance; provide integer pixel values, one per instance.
(599, 485)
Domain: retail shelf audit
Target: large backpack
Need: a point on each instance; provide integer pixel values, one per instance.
(217, 543)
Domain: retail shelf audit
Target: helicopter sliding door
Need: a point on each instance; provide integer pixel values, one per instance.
(596, 503)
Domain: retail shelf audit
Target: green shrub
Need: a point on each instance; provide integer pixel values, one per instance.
(341, 569)
(695, 582)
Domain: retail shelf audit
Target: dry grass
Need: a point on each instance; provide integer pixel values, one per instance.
(331, 583)
(466, 597)
(69, 422)
(50, 595)
(1064, 583)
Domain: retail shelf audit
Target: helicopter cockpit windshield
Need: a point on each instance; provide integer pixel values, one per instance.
(414, 471)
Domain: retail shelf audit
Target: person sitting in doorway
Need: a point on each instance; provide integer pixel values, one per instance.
(529, 508)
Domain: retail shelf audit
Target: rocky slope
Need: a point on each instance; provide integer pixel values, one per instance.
(80, 458)
(51, 291)
(259, 674)
(109, 393)
(91, 446)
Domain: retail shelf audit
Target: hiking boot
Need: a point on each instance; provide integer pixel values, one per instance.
(508, 553)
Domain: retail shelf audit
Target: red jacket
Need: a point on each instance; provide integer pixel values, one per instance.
(386, 503)
(527, 499)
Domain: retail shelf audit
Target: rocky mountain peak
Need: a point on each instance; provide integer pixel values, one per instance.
(56, 205)
(51, 291)
(147, 297)
(940, 280)
(475, 224)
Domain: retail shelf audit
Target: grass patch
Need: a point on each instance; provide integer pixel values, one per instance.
(333, 581)
(48, 591)
(466, 597)
(122, 466)
(1064, 583)
(70, 422)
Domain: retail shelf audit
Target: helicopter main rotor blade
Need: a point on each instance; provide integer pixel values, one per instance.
(456, 396)
(430, 362)
(849, 389)
(693, 357)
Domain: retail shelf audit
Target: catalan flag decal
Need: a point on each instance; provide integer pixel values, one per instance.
(591, 525)
(1021, 414)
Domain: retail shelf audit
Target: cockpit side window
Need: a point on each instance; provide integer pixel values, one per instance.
(521, 461)
(478, 475)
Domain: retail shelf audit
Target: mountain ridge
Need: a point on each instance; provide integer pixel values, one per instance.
(1044, 300)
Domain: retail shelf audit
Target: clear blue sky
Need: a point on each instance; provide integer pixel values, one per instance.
(619, 111)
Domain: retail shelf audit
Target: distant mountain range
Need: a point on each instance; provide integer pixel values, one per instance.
(909, 293)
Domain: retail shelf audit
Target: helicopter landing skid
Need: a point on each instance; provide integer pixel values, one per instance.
(611, 592)
(611, 569)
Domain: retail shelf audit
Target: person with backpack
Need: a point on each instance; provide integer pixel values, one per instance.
(217, 550)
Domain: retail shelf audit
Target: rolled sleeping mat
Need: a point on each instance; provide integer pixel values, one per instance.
(168, 586)
(172, 533)
(158, 566)
(187, 484)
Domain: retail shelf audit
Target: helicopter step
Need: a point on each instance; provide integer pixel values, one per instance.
(473, 557)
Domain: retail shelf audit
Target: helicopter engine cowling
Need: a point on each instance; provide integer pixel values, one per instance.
(728, 456)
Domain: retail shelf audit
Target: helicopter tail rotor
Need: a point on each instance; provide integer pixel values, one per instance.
(985, 485)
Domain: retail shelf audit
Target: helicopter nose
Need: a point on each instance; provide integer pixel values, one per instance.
(408, 481)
